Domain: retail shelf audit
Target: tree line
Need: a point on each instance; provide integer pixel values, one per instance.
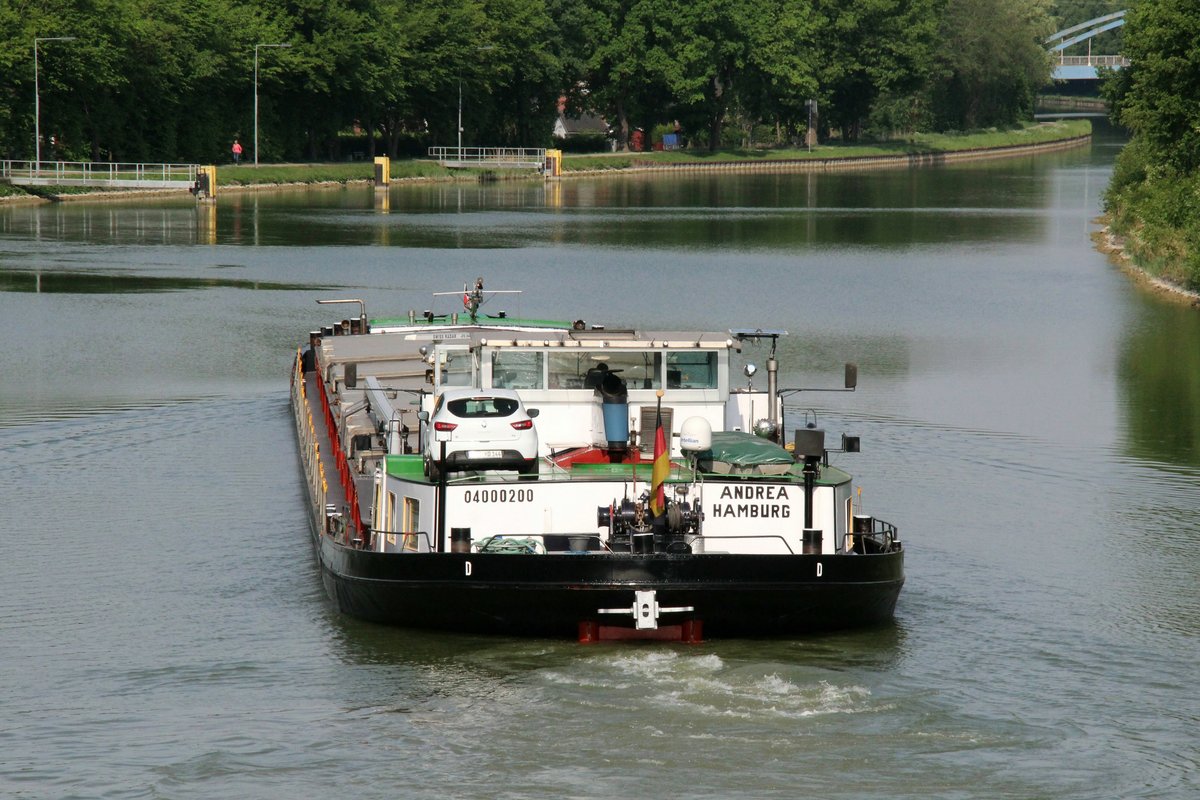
(1154, 195)
(173, 80)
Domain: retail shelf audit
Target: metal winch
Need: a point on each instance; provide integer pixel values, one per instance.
(632, 527)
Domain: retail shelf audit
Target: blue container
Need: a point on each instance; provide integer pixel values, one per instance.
(616, 424)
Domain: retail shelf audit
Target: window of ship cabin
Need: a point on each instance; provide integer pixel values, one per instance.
(692, 369)
(518, 369)
(411, 522)
(455, 367)
(583, 369)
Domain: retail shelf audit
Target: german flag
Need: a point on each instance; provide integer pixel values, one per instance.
(662, 464)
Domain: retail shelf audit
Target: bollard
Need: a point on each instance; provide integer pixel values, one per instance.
(383, 171)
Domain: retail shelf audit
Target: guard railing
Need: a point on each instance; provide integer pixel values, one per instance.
(498, 157)
(98, 173)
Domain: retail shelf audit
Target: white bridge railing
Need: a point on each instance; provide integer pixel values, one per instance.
(498, 157)
(98, 173)
(1092, 61)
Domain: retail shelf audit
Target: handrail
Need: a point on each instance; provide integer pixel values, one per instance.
(113, 173)
(310, 447)
(491, 156)
(344, 473)
(1093, 61)
(780, 537)
(883, 534)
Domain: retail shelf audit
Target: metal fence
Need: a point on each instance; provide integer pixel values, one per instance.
(495, 157)
(98, 173)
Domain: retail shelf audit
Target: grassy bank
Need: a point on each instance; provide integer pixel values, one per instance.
(1156, 213)
(245, 175)
(920, 143)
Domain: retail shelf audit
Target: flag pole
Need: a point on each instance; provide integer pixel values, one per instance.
(662, 464)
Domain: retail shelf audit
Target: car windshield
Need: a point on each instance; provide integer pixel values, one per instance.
(474, 407)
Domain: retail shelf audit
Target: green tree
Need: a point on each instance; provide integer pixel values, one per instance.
(991, 62)
(18, 26)
(526, 66)
(780, 71)
(870, 48)
(1160, 97)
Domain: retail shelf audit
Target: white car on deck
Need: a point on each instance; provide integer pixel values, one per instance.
(481, 429)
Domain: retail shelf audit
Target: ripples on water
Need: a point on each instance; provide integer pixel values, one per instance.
(164, 632)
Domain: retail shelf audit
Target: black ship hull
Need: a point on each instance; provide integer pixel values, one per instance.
(552, 595)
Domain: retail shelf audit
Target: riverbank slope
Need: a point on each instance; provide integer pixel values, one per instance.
(917, 150)
(1153, 220)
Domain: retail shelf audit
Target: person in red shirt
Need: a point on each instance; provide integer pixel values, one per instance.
(237, 151)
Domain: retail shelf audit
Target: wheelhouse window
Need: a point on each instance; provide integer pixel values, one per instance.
(584, 369)
(518, 369)
(456, 367)
(692, 369)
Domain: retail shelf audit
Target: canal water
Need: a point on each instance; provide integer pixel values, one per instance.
(1030, 419)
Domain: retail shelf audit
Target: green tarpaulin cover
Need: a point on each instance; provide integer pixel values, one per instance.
(744, 450)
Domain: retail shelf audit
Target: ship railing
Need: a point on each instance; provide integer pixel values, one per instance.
(760, 537)
(519, 543)
(310, 446)
(870, 536)
(874, 537)
(406, 541)
(345, 476)
(538, 543)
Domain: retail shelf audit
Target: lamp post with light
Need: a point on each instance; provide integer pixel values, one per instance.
(37, 110)
(256, 94)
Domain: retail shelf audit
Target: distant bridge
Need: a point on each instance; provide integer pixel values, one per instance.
(1083, 68)
(112, 175)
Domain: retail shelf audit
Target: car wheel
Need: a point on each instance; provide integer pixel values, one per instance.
(528, 468)
(433, 470)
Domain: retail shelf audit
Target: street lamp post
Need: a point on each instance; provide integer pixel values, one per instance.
(37, 110)
(256, 94)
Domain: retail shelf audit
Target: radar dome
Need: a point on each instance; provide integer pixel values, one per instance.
(695, 435)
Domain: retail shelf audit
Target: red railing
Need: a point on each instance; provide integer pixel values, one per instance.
(345, 476)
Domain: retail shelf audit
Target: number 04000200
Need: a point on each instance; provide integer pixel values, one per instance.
(498, 496)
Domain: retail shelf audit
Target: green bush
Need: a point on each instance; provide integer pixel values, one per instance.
(584, 143)
(1157, 211)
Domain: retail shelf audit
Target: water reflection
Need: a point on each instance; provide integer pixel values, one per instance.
(1159, 370)
(1156, 500)
(980, 202)
(67, 282)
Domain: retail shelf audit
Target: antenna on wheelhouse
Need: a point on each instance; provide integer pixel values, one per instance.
(473, 298)
(771, 430)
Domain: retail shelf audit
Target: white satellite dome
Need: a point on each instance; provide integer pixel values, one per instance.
(695, 435)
